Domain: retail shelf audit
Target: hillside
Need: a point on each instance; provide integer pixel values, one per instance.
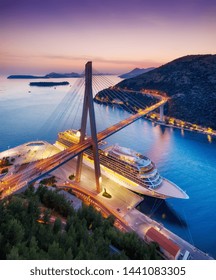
(135, 72)
(42, 225)
(64, 75)
(190, 81)
(124, 99)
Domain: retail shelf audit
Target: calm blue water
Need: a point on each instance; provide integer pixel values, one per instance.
(187, 159)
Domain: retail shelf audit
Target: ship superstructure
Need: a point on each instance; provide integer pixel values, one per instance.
(126, 167)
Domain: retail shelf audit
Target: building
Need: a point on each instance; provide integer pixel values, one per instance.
(170, 249)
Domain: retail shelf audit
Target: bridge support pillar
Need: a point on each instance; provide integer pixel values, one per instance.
(88, 106)
(162, 113)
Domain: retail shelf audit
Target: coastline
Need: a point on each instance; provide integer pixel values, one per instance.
(128, 217)
(155, 117)
(201, 131)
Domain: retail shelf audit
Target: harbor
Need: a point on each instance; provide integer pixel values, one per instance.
(121, 204)
(178, 157)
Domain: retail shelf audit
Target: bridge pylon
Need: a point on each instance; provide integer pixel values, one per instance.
(162, 113)
(88, 107)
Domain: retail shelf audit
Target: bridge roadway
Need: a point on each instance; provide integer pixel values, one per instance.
(36, 170)
(129, 218)
(132, 220)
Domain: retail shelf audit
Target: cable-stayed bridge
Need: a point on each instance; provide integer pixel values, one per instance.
(38, 169)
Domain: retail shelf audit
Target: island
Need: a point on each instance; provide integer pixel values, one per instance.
(54, 75)
(47, 76)
(48, 84)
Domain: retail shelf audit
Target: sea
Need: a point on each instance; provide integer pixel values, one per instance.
(184, 157)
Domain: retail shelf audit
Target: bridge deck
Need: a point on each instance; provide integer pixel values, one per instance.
(42, 167)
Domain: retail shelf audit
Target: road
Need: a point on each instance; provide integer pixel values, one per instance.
(89, 198)
(36, 170)
(130, 219)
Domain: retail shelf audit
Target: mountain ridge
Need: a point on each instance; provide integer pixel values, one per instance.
(189, 81)
(47, 76)
(135, 72)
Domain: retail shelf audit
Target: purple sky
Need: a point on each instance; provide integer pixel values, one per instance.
(38, 36)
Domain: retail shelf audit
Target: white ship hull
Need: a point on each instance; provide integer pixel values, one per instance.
(171, 189)
(167, 189)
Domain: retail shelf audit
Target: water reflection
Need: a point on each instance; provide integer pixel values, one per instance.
(160, 210)
(184, 157)
(161, 144)
(209, 137)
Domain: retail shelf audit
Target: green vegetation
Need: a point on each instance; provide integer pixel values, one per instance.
(4, 170)
(190, 81)
(71, 177)
(5, 161)
(49, 181)
(106, 194)
(123, 99)
(28, 231)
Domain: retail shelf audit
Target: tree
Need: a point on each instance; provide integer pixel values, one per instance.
(44, 236)
(4, 170)
(69, 222)
(71, 177)
(55, 252)
(33, 249)
(87, 235)
(14, 254)
(57, 225)
(14, 232)
(30, 191)
(81, 252)
(111, 220)
(68, 255)
(16, 206)
(46, 216)
(33, 209)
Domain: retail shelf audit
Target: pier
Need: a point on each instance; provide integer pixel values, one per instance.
(122, 203)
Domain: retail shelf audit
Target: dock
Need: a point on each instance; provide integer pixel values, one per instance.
(122, 203)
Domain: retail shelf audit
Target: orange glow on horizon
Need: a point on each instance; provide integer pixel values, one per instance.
(116, 42)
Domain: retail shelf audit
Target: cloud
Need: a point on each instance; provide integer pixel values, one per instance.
(98, 59)
(54, 62)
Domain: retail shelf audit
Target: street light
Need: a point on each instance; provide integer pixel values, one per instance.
(100, 180)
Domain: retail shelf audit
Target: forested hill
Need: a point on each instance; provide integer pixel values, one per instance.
(190, 81)
(42, 225)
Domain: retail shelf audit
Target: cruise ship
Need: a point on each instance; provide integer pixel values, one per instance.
(126, 167)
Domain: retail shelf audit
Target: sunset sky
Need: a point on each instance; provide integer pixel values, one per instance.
(39, 36)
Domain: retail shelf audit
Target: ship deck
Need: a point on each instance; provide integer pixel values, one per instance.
(166, 189)
(171, 190)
